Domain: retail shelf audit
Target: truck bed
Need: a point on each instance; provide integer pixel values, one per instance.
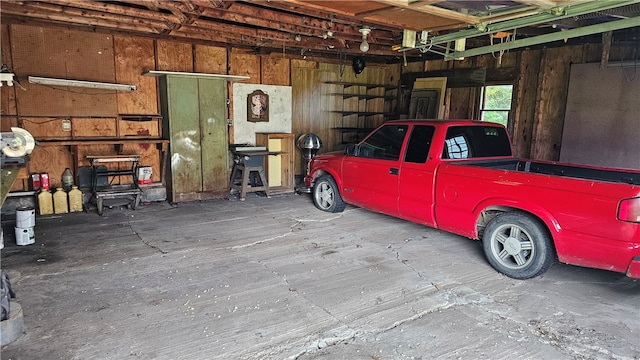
(547, 168)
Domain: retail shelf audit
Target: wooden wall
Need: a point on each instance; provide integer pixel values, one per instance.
(537, 117)
(541, 80)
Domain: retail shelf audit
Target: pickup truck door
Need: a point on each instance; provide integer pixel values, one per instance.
(370, 178)
(417, 170)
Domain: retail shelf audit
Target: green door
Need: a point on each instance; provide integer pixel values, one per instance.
(214, 134)
(184, 129)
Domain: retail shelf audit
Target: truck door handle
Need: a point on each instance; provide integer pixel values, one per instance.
(393, 171)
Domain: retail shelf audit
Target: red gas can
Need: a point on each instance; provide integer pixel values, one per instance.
(35, 182)
(44, 181)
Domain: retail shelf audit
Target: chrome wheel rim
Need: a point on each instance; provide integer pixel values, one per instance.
(512, 246)
(324, 195)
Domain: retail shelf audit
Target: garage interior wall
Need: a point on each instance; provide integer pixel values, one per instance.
(100, 121)
(602, 117)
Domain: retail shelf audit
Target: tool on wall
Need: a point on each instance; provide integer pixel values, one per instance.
(16, 145)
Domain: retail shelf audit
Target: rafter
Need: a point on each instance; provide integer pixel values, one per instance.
(314, 10)
(116, 9)
(427, 8)
(291, 24)
(52, 12)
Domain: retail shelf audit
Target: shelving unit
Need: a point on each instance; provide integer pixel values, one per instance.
(280, 168)
(364, 107)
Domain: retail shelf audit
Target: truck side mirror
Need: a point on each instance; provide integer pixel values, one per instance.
(351, 150)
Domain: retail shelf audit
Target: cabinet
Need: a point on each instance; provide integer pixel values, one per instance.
(364, 107)
(194, 109)
(279, 168)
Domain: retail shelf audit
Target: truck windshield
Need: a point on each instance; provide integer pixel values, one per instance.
(465, 142)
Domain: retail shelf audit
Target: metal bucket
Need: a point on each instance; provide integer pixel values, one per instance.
(25, 236)
(25, 217)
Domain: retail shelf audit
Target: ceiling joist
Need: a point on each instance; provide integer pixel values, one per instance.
(327, 27)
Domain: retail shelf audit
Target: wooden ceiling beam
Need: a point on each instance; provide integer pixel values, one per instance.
(427, 8)
(262, 40)
(257, 33)
(545, 4)
(116, 9)
(176, 8)
(283, 24)
(321, 12)
(80, 17)
(311, 19)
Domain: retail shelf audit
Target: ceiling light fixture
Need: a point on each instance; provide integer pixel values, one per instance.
(364, 46)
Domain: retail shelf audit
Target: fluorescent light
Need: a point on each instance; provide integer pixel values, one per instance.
(81, 83)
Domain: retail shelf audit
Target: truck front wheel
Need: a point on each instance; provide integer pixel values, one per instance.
(518, 245)
(326, 196)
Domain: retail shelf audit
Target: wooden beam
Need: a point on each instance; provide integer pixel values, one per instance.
(261, 39)
(542, 3)
(265, 19)
(79, 17)
(606, 48)
(116, 9)
(427, 8)
(314, 10)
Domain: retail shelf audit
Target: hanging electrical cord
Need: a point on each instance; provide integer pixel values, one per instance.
(504, 37)
(342, 57)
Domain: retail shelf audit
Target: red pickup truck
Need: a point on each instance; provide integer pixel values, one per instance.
(461, 177)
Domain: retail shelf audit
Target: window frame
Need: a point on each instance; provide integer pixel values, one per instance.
(482, 102)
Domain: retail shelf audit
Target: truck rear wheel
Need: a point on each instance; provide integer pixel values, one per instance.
(326, 196)
(518, 245)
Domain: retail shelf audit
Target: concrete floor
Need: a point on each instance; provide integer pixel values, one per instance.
(277, 279)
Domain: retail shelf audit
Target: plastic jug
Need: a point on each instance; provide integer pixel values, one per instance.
(45, 202)
(75, 199)
(67, 179)
(60, 204)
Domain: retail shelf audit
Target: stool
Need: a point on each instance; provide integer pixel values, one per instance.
(240, 169)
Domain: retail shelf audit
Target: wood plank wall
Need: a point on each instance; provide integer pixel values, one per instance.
(66, 53)
(540, 84)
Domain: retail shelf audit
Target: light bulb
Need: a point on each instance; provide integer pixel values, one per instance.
(364, 47)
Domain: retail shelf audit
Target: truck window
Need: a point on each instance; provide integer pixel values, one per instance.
(385, 144)
(419, 144)
(463, 142)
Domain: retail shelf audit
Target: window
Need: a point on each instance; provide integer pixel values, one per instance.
(419, 144)
(464, 142)
(495, 103)
(385, 144)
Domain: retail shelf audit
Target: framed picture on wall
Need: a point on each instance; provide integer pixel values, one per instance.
(257, 106)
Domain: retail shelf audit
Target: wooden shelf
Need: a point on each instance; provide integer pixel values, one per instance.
(46, 128)
(368, 86)
(279, 168)
(102, 142)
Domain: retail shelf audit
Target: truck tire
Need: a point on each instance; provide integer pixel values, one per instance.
(326, 196)
(518, 245)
